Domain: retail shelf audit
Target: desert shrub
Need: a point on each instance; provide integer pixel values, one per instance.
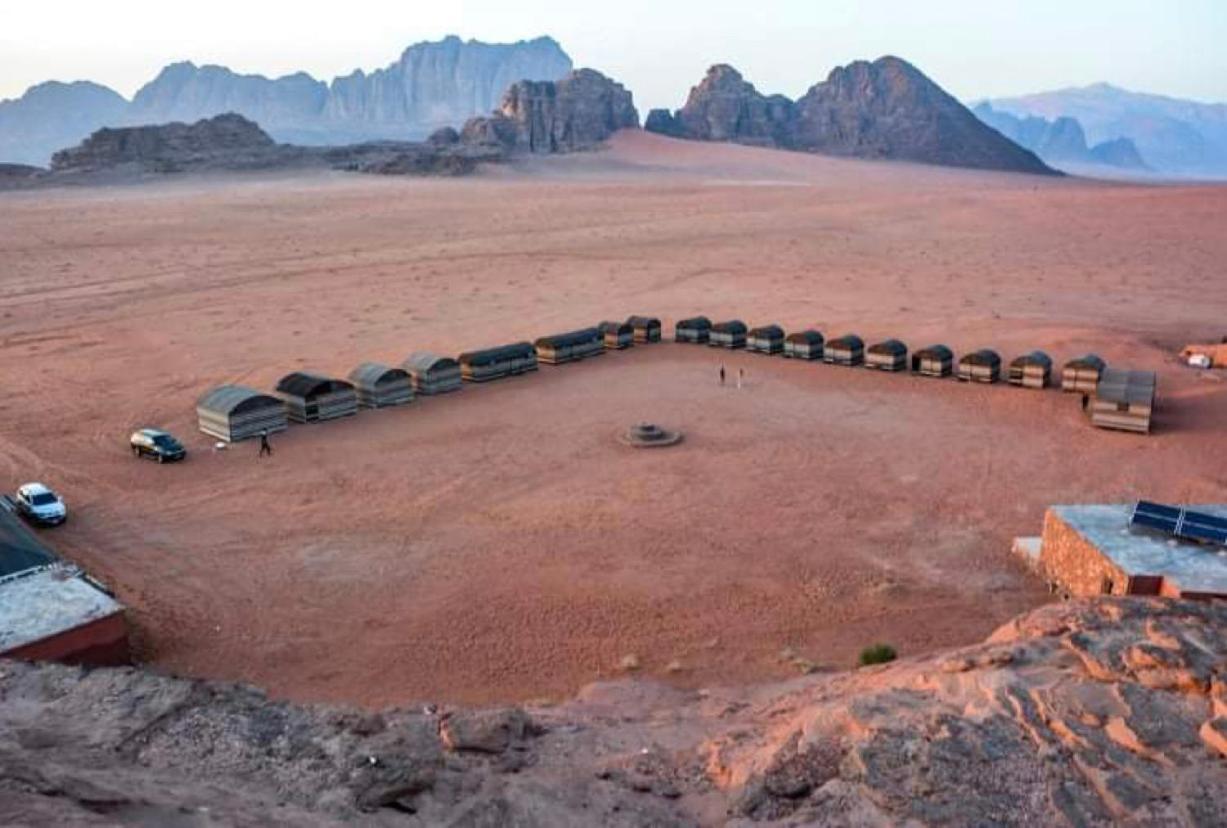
(877, 654)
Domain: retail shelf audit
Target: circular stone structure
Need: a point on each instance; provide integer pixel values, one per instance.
(650, 435)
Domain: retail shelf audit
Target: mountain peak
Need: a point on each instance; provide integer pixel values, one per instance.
(882, 109)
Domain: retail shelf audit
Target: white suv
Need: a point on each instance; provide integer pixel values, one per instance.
(41, 505)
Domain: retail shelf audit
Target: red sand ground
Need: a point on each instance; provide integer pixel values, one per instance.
(499, 543)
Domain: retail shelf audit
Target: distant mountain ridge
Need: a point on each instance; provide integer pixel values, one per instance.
(887, 109)
(1062, 142)
(432, 84)
(1172, 135)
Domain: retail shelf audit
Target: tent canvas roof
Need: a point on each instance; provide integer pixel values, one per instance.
(234, 399)
(305, 384)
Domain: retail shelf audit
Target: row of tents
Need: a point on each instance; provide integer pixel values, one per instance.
(237, 412)
(234, 412)
(1113, 398)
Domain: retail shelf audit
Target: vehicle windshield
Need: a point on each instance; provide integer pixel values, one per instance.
(43, 499)
(166, 441)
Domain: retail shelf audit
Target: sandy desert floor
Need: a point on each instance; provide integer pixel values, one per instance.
(499, 543)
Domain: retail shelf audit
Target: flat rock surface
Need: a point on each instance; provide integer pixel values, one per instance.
(1052, 721)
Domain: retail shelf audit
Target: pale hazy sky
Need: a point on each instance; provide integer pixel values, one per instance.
(658, 49)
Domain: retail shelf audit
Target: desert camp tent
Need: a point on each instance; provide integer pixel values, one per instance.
(647, 328)
(617, 335)
(1082, 374)
(236, 412)
(380, 386)
(1123, 400)
(570, 347)
(496, 363)
(1033, 370)
(847, 350)
(934, 361)
(731, 334)
(983, 365)
(803, 345)
(313, 398)
(765, 339)
(433, 374)
(890, 355)
(695, 329)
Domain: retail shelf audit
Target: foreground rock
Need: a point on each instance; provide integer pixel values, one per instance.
(1078, 714)
(887, 109)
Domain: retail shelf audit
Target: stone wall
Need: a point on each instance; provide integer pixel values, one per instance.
(1077, 567)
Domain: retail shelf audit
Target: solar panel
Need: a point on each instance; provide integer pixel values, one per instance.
(1162, 524)
(1205, 534)
(1179, 523)
(1159, 509)
(1205, 519)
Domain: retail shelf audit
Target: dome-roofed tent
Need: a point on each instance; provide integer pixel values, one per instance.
(1033, 370)
(983, 365)
(765, 339)
(890, 355)
(803, 345)
(313, 398)
(934, 361)
(570, 347)
(432, 374)
(847, 350)
(236, 412)
(617, 335)
(647, 328)
(696, 330)
(1082, 374)
(380, 386)
(1123, 400)
(496, 363)
(730, 334)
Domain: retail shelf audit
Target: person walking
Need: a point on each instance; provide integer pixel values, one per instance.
(265, 446)
(741, 375)
(722, 373)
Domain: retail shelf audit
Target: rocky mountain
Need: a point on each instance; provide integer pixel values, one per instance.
(1061, 143)
(885, 109)
(1175, 136)
(54, 115)
(1103, 712)
(575, 113)
(431, 85)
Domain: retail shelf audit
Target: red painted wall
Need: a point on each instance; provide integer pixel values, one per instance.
(100, 643)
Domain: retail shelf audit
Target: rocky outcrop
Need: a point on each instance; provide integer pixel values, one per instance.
(1090, 713)
(54, 115)
(886, 109)
(225, 142)
(231, 143)
(1060, 142)
(573, 114)
(431, 85)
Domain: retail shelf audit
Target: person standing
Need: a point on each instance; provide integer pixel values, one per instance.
(265, 446)
(722, 373)
(741, 375)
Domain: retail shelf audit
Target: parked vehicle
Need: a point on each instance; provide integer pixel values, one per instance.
(156, 444)
(39, 504)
